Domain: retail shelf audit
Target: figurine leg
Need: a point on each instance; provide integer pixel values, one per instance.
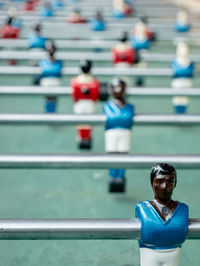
(180, 104)
(51, 101)
(117, 141)
(84, 132)
(117, 180)
(36, 80)
(50, 104)
(84, 136)
(163, 257)
(12, 62)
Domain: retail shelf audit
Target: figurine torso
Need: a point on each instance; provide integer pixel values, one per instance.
(159, 234)
(85, 87)
(118, 117)
(50, 69)
(36, 41)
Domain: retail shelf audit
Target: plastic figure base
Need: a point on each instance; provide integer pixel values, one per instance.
(117, 185)
(12, 62)
(139, 82)
(104, 92)
(50, 106)
(180, 109)
(85, 144)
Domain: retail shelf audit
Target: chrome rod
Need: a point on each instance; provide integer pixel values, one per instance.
(72, 119)
(95, 161)
(49, 229)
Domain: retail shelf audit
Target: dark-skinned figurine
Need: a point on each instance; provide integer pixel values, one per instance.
(164, 222)
(119, 121)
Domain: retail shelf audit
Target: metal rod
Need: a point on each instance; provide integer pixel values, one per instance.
(68, 56)
(95, 161)
(73, 119)
(110, 34)
(90, 229)
(107, 57)
(142, 91)
(82, 44)
(164, 25)
(104, 71)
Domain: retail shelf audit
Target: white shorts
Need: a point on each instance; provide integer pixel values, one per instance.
(180, 100)
(50, 82)
(123, 65)
(117, 140)
(158, 257)
(179, 83)
(84, 107)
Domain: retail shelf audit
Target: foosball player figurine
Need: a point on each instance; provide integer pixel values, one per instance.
(150, 34)
(119, 121)
(35, 40)
(85, 93)
(183, 71)
(98, 23)
(29, 5)
(11, 29)
(51, 72)
(76, 17)
(141, 37)
(46, 10)
(57, 4)
(164, 222)
(123, 55)
(121, 9)
(182, 23)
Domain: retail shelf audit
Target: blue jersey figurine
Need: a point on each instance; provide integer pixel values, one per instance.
(119, 121)
(164, 222)
(182, 23)
(183, 72)
(51, 71)
(97, 24)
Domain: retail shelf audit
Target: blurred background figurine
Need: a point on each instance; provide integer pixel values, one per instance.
(123, 55)
(46, 10)
(121, 8)
(29, 5)
(151, 35)
(12, 26)
(35, 40)
(183, 71)
(119, 121)
(57, 4)
(98, 23)
(182, 23)
(51, 72)
(76, 17)
(85, 93)
(164, 222)
(141, 36)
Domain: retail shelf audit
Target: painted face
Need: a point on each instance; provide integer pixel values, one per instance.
(163, 186)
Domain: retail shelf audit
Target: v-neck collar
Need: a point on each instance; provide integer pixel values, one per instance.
(158, 215)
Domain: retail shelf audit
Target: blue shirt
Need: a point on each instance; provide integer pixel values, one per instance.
(180, 71)
(181, 27)
(118, 117)
(46, 12)
(50, 69)
(97, 25)
(138, 44)
(159, 234)
(36, 41)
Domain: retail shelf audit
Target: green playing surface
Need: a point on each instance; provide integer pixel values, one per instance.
(84, 193)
